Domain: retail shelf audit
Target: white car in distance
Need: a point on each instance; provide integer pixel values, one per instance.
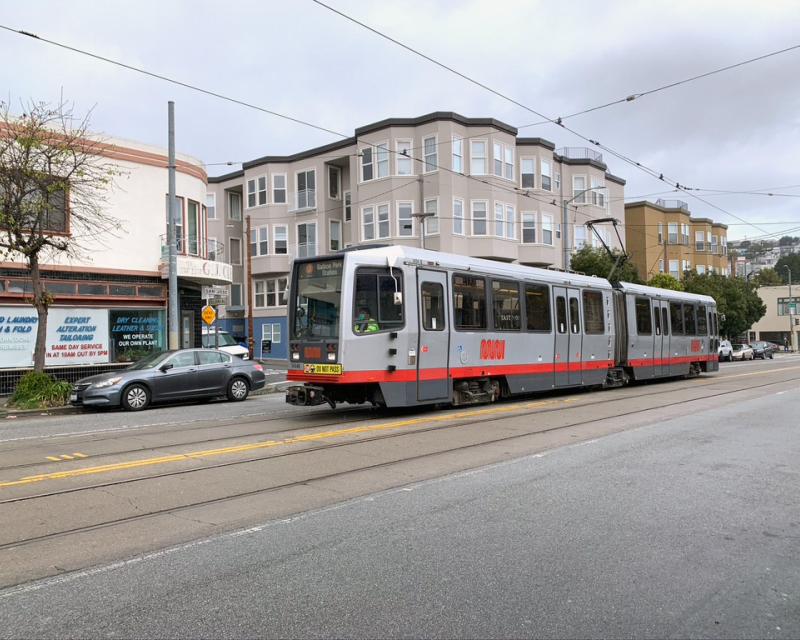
(226, 342)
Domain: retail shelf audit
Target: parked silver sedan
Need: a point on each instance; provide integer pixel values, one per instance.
(171, 376)
(741, 352)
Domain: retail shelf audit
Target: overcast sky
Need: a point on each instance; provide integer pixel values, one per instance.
(738, 130)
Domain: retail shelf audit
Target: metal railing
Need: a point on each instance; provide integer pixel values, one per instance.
(214, 250)
(672, 204)
(580, 153)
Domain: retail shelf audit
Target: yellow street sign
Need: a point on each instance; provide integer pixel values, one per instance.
(209, 315)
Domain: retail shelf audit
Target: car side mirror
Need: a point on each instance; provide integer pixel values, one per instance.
(165, 367)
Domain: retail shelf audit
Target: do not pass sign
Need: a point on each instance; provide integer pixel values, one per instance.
(209, 315)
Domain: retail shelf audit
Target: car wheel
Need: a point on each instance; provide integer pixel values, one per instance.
(135, 397)
(238, 389)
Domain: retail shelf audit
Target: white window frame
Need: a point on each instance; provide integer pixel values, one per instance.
(401, 232)
(260, 291)
(458, 158)
(262, 193)
(370, 164)
(676, 234)
(523, 173)
(297, 189)
(427, 221)
(275, 228)
(545, 171)
(473, 157)
(211, 205)
(676, 272)
(485, 219)
(511, 221)
(556, 181)
(547, 225)
(497, 159)
(434, 155)
(579, 195)
(458, 218)
(661, 265)
(251, 192)
(404, 162)
(685, 234)
(338, 181)
(660, 233)
(337, 236)
(383, 207)
(364, 210)
(347, 203)
(509, 162)
(268, 332)
(257, 232)
(528, 222)
(234, 194)
(580, 237)
(275, 188)
(700, 240)
(498, 219)
(598, 196)
(383, 167)
(297, 238)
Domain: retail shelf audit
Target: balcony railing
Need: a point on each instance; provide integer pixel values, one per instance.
(214, 251)
(672, 204)
(580, 153)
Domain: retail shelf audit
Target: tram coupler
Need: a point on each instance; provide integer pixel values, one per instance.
(305, 395)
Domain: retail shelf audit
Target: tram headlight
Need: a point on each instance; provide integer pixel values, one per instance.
(332, 356)
(295, 355)
(294, 348)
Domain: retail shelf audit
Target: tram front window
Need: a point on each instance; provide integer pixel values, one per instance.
(318, 299)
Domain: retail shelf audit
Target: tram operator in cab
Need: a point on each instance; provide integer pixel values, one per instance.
(365, 322)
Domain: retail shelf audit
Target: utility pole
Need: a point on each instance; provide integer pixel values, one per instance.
(421, 217)
(174, 303)
(249, 277)
(789, 308)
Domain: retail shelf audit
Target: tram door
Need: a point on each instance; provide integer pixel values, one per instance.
(568, 337)
(433, 349)
(661, 332)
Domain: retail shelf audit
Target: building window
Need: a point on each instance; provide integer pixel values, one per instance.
(498, 159)
(432, 222)
(672, 232)
(213, 249)
(458, 154)
(404, 158)
(528, 173)
(458, 217)
(557, 181)
(179, 239)
(259, 241)
(262, 190)
(511, 223)
(260, 298)
(477, 157)
(528, 228)
(382, 157)
(661, 266)
(367, 166)
(714, 244)
(580, 236)
(431, 157)
(211, 206)
(306, 189)
(579, 189)
(547, 229)
(660, 233)
(348, 207)
(498, 219)
(307, 240)
(509, 163)
(193, 227)
(685, 233)
(234, 206)
(280, 240)
(701, 269)
(545, 166)
(368, 223)
(236, 250)
(334, 182)
(279, 188)
(405, 222)
(251, 193)
(699, 240)
(236, 295)
(384, 228)
(674, 271)
(479, 217)
(270, 293)
(598, 197)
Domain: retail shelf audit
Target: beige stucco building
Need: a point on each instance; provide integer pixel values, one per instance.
(781, 321)
(484, 192)
(663, 237)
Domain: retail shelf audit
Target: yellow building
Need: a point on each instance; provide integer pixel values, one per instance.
(663, 237)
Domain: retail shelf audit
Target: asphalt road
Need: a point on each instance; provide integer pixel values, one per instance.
(684, 526)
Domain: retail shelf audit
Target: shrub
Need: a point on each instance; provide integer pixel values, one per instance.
(39, 391)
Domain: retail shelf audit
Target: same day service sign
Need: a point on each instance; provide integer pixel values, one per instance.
(74, 336)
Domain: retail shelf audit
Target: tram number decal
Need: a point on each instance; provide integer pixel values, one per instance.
(493, 349)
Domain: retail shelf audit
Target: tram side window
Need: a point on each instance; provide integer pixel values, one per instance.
(537, 307)
(561, 314)
(702, 323)
(644, 321)
(664, 321)
(676, 318)
(593, 313)
(574, 315)
(505, 302)
(375, 309)
(432, 306)
(688, 320)
(469, 302)
(657, 320)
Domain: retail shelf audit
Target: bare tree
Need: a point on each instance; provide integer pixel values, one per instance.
(53, 184)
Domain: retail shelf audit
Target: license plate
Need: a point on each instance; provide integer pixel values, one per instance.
(323, 369)
(73, 397)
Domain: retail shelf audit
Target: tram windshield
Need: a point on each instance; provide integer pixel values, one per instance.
(318, 299)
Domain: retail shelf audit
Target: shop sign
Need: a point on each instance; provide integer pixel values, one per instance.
(136, 333)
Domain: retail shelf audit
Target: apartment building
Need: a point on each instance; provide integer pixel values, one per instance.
(110, 301)
(781, 323)
(663, 237)
(443, 181)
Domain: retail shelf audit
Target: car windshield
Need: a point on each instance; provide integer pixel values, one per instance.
(318, 298)
(150, 361)
(739, 346)
(225, 340)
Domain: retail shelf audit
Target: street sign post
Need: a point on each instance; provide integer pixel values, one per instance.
(209, 315)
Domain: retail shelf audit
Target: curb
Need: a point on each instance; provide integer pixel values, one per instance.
(12, 414)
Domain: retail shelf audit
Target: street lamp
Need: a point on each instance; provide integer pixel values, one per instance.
(789, 308)
(565, 223)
